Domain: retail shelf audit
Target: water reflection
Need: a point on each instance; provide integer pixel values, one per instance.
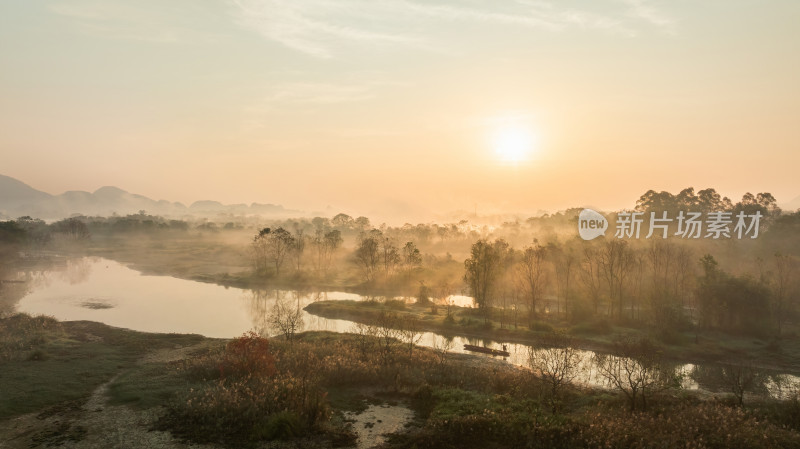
(122, 297)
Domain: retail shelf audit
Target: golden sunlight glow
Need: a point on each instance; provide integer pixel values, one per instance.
(513, 143)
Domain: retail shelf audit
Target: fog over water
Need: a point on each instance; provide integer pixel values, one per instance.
(97, 289)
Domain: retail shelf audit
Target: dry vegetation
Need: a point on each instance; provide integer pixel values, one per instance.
(246, 391)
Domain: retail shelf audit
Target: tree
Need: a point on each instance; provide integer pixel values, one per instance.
(442, 346)
(367, 254)
(286, 317)
(72, 228)
(591, 275)
(11, 233)
(258, 248)
(616, 261)
(710, 201)
(656, 201)
(486, 262)
(763, 203)
(411, 256)
(37, 233)
(442, 291)
(325, 244)
(739, 377)
(785, 267)
(411, 333)
(362, 223)
(670, 267)
(273, 246)
(732, 303)
(342, 221)
(365, 337)
(298, 248)
(390, 255)
(12, 237)
(563, 259)
(556, 363)
(634, 369)
(386, 329)
(532, 271)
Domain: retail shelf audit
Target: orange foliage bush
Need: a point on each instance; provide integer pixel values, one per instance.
(247, 355)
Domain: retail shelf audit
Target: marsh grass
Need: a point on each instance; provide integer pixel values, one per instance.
(248, 390)
(46, 362)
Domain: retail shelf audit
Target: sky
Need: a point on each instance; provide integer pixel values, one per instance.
(402, 108)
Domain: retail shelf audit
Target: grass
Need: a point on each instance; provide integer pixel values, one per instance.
(76, 358)
(147, 386)
(598, 335)
(241, 392)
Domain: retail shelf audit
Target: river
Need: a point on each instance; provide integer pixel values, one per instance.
(97, 289)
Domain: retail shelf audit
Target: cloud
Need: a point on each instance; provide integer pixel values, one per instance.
(319, 27)
(310, 26)
(320, 93)
(163, 23)
(644, 10)
(305, 97)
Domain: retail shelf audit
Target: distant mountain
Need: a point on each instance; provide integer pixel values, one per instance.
(18, 199)
(12, 190)
(17, 196)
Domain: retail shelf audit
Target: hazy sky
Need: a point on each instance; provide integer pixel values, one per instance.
(391, 105)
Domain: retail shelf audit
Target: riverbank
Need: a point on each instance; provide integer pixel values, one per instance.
(681, 347)
(216, 262)
(215, 259)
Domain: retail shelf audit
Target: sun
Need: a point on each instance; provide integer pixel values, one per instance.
(513, 144)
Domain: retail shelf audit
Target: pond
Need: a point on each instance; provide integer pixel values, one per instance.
(106, 291)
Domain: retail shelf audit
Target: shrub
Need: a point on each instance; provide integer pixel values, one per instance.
(600, 327)
(246, 410)
(20, 333)
(248, 400)
(248, 354)
(38, 355)
(704, 426)
(541, 326)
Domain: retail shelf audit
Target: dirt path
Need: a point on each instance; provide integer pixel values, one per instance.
(93, 424)
(376, 421)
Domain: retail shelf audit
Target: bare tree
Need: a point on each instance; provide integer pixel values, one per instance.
(563, 260)
(386, 327)
(412, 258)
(366, 335)
(442, 292)
(739, 378)
(486, 263)
(258, 249)
(557, 363)
(591, 275)
(634, 369)
(325, 245)
(390, 256)
(287, 317)
(298, 248)
(531, 269)
(785, 267)
(411, 333)
(616, 262)
(442, 348)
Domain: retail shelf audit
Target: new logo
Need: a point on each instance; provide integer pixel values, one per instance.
(591, 224)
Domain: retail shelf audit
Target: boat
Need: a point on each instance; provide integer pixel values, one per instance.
(484, 350)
